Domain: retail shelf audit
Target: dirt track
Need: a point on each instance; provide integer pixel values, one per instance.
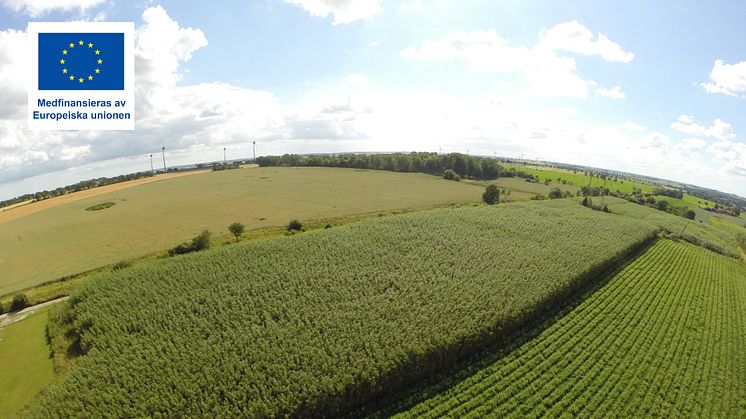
(23, 210)
(6, 319)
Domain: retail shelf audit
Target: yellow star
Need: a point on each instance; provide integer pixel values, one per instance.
(64, 52)
(100, 61)
(64, 71)
(90, 45)
(97, 52)
(72, 45)
(90, 77)
(80, 42)
(72, 77)
(80, 80)
(98, 71)
(62, 61)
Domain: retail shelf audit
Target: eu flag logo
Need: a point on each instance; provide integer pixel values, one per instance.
(81, 61)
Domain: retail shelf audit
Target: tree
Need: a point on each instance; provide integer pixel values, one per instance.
(491, 195)
(662, 205)
(294, 225)
(20, 301)
(690, 214)
(586, 202)
(236, 229)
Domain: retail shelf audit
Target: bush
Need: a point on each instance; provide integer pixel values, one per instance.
(122, 265)
(199, 242)
(690, 214)
(2, 308)
(202, 241)
(491, 195)
(20, 301)
(327, 226)
(555, 193)
(451, 175)
(295, 225)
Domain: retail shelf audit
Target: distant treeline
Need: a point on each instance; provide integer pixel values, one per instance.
(470, 167)
(75, 187)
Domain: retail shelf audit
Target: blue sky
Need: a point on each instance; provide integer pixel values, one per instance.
(636, 88)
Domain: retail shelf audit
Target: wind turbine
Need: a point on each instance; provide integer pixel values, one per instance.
(163, 152)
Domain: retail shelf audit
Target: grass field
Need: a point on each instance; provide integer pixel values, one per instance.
(520, 190)
(578, 179)
(25, 363)
(317, 323)
(663, 338)
(65, 239)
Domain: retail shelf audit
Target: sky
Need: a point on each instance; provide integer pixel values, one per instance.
(655, 88)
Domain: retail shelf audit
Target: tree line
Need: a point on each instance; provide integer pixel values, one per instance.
(469, 167)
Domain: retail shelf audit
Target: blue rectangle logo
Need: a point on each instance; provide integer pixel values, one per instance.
(81, 61)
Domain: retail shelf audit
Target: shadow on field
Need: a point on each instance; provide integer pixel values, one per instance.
(450, 377)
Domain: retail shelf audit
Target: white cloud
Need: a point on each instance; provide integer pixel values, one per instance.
(691, 147)
(614, 92)
(574, 37)
(36, 8)
(726, 149)
(729, 79)
(544, 72)
(634, 127)
(719, 129)
(344, 11)
(656, 141)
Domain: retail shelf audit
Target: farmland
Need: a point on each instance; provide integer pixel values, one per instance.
(668, 327)
(320, 322)
(65, 239)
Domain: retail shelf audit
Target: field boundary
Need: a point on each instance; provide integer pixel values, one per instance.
(450, 376)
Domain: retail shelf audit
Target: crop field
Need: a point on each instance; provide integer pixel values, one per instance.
(65, 239)
(663, 338)
(25, 365)
(321, 322)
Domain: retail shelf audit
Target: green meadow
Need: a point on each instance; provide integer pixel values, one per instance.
(26, 366)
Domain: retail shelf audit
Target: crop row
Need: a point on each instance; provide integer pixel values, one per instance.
(323, 322)
(664, 337)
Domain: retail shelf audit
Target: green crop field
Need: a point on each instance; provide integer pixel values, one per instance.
(663, 338)
(321, 322)
(67, 239)
(578, 179)
(25, 363)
